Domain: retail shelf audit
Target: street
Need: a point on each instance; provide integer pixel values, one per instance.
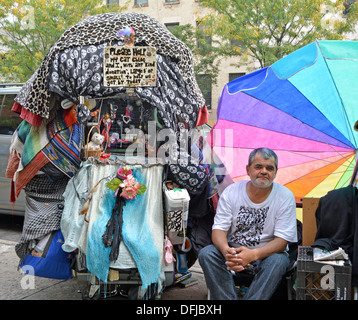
(17, 286)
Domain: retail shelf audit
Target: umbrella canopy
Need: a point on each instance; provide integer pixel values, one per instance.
(304, 107)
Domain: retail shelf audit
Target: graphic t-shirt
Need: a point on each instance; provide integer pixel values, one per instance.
(252, 224)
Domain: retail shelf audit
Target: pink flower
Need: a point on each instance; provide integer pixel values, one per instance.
(124, 172)
(128, 193)
(129, 187)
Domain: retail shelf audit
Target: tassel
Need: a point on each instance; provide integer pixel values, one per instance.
(12, 192)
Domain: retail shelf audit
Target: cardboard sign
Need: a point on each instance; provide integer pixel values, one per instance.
(129, 66)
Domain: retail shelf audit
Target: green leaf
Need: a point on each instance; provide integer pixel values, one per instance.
(35, 26)
(113, 184)
(141, 189)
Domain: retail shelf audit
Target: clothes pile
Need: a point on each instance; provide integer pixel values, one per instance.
(58, 103)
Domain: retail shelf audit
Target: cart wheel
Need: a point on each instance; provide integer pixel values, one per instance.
(86, 295)
(133, 293)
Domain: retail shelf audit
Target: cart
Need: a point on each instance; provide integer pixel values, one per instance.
(132, 87)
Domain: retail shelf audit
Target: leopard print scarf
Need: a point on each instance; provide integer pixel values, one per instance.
(103, 28)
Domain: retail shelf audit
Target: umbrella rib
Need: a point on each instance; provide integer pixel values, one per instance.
(354, 175)
(322, 140)
(325, 160)
(322, 175)
(350, 59)
(347, 170)
(248, 89)
(349, 130)
(347, 180)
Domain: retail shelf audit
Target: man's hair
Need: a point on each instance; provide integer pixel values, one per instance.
(266, 153)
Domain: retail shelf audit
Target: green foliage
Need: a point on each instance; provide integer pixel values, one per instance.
(113, 184)
(141, 189)
(269, 30)
(31, 27)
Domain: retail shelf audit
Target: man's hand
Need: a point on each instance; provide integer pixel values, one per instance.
(238, 258)
(233, 261)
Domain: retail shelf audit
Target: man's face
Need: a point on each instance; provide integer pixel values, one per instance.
(262, 172)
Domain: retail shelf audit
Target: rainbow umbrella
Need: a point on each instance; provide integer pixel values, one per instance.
(304, 107)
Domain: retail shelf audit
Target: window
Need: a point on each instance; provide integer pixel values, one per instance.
(347, 6)
(9, 120)
(171, 1)
(112, 2)
(233, 76)
(205, 84)
(202, 36)
(140, 2)
(171, 25)
(236, 43)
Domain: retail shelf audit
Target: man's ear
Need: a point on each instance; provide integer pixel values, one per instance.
(247, 169)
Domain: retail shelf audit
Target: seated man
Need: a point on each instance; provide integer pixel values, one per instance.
(254, 221)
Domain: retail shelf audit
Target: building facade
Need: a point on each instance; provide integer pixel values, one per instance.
(182, 12)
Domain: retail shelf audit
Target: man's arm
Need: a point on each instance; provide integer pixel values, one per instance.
(277, 245)
(219, 238)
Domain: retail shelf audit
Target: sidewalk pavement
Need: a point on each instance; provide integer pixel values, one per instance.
(16, 286)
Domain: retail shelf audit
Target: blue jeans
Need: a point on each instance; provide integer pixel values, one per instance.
(220, 281)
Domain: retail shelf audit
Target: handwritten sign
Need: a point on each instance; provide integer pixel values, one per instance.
(129, 66)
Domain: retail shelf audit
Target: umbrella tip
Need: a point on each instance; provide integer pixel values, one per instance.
(356, 126)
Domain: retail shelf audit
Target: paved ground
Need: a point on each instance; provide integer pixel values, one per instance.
(16, 286)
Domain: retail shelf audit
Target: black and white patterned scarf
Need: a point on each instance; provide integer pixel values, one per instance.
(101, 29)
(74, 67)
(44, 205)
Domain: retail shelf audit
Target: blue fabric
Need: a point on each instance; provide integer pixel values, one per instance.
(296, 61)
(55, 265)
(64, 149)
(97, 255)
(322, 92)
(248, 81)
(137, 235)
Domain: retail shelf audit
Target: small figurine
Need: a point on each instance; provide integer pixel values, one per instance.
(128, 35)
(96, 142)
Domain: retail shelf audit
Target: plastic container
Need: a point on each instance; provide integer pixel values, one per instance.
(177, 211)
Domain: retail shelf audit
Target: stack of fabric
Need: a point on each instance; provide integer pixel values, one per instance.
(42, 160)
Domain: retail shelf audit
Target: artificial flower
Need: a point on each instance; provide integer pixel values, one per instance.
(124, 172)
(128, 188)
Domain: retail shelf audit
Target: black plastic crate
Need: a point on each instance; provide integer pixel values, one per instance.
(321, 281)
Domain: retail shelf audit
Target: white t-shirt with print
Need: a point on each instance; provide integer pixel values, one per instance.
(252, 224)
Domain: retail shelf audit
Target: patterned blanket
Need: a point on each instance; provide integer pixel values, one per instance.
(32, 148)
(44, 204)
(74, 67)
(64, 149)
(103, 28)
